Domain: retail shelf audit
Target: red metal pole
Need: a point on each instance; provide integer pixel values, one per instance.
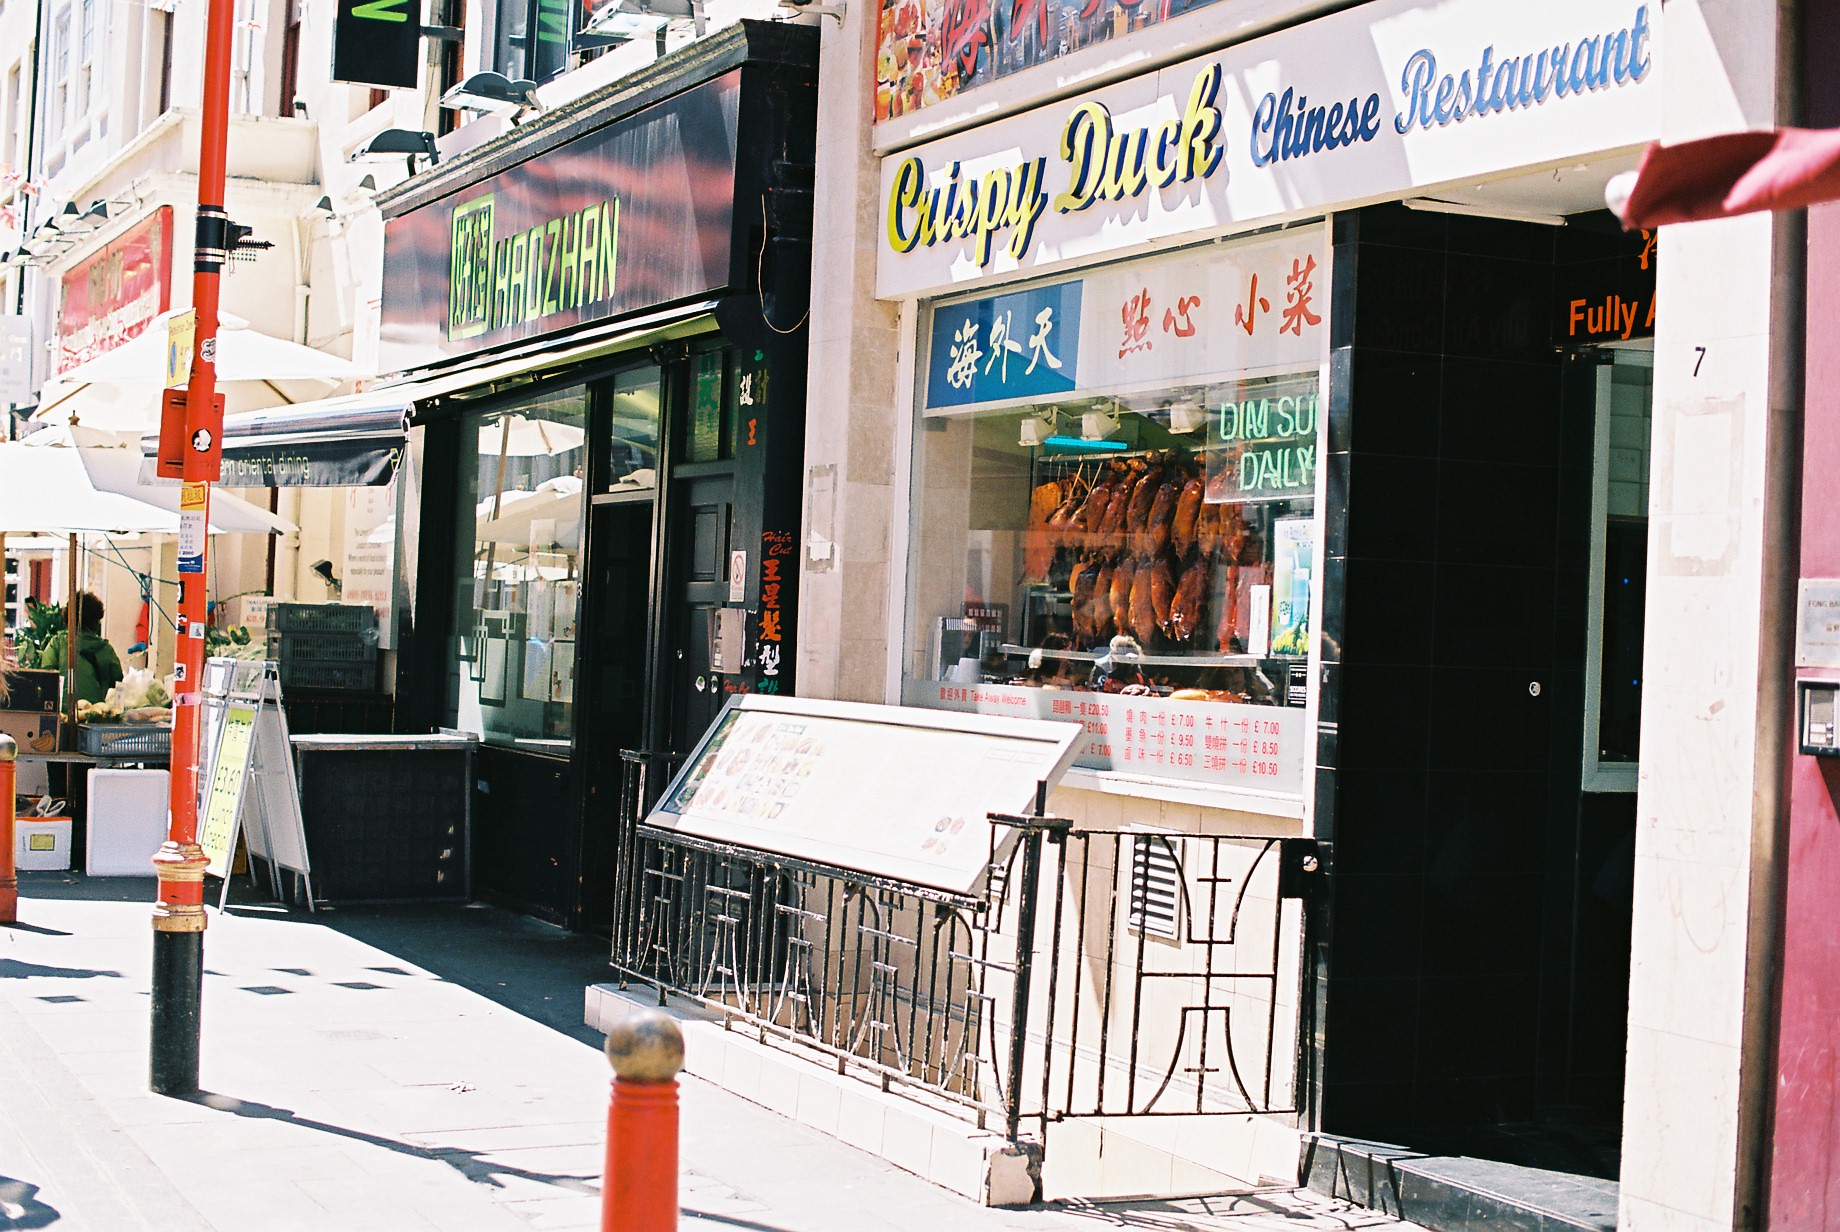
(639, 1183)
(178, 916)
(9, 837)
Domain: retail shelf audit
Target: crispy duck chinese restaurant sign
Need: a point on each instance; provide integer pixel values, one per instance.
(112, 296)
(632, 214)
(1365, 104)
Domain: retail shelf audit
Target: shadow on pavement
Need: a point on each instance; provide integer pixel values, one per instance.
(68, 885)
(20, 1207)
(730, 1221)
(469, 1164)
(532, 968)
(13, 969)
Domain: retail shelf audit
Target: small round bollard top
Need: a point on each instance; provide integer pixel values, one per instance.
(9, 748)
(646, 1047)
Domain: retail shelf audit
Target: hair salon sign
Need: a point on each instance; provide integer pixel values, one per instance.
(1365, 104)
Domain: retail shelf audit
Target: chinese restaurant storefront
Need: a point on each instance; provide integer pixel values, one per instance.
(600, 321)
(1272, 424)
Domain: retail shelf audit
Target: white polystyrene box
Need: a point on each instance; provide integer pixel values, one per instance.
(127, 822)
(41, 843)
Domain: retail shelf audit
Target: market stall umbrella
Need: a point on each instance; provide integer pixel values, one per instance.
(557, 501)
(1727, 175)
(519, 436)
(49, 489)
(122, 389)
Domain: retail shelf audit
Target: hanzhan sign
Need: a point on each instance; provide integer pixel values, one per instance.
(633, 214)
(505, 280)
(1359, 105)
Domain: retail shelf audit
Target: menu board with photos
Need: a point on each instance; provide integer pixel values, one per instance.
(893, 791)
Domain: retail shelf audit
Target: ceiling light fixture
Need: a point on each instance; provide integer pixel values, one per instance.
(1187, 416)
(1037, 426)
(1098, 425)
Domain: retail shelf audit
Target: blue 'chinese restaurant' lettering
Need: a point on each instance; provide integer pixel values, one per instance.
(1620, 57)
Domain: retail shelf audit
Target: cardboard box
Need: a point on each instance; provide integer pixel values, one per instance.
(30, 689)
(36, 733)
(42, 843)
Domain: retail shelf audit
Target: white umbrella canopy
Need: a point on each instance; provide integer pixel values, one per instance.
(122, 390)
(519, 436)
(50, 490)
(557, 501)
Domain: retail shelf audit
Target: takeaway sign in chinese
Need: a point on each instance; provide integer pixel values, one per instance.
(1252, 307)
(1377, 100)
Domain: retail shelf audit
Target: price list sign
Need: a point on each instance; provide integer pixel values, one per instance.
(1222, 743)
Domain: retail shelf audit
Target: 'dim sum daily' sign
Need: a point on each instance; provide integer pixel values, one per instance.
(1263, 442)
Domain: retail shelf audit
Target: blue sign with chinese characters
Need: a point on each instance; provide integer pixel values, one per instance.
(1025, 344)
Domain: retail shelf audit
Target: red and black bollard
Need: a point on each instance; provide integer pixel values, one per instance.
(639, 1186)
(9, 835)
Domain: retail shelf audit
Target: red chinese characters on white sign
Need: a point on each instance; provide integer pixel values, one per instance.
(1255, 305)
(1256, 747)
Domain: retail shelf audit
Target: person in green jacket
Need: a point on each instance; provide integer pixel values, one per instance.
(98, 667)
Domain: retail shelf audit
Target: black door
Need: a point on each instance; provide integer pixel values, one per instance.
(704, 522)
(619, 652)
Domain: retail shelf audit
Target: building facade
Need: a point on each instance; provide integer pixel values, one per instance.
(1343, 283)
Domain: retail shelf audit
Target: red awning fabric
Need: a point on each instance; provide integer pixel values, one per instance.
(1734, 173)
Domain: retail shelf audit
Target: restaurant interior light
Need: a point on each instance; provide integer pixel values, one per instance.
(1187, 416)
(1037, 426)
(1097, 425)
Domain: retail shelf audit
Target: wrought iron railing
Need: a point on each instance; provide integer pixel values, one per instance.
(1190, 1012)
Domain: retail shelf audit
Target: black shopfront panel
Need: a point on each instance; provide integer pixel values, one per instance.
(581, 618)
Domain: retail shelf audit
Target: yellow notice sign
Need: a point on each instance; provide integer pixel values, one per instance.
(224, 799)
(181, 334)
(193, 503)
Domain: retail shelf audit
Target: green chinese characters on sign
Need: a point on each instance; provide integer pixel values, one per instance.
(500, 281)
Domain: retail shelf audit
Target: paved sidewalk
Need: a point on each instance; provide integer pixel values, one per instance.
(406, 1069)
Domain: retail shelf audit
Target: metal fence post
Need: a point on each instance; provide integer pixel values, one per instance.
(639, 1183)
(1025, 961)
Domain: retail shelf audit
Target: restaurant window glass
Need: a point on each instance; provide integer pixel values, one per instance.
(1116, 509)
(633, 446)
(518, 575)
(1619, 567)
